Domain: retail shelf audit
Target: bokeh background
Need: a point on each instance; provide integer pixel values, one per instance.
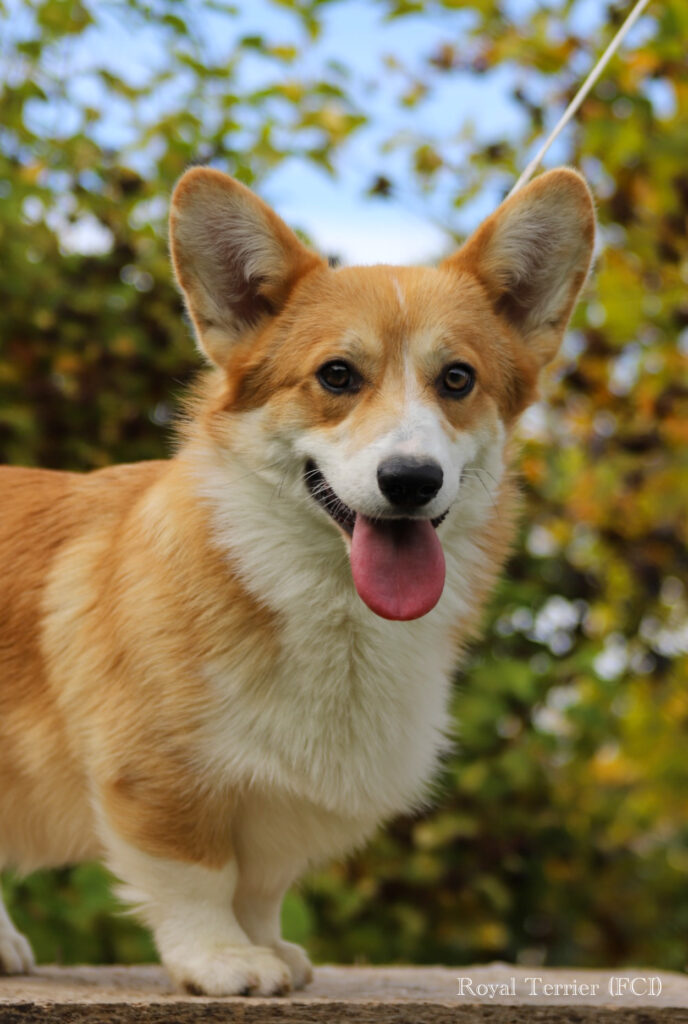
(385, 130)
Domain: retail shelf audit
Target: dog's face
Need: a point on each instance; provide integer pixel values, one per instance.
(386, 386)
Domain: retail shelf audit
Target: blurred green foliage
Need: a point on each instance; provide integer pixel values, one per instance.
(560, 831)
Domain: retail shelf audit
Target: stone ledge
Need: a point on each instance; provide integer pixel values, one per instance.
(367, 995)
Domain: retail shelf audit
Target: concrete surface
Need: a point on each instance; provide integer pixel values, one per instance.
(494, 993)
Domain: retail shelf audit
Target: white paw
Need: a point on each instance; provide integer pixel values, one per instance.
(15, 952)
(232, 971)
(296, 960)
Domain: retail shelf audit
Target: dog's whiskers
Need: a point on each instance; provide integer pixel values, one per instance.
(281, 483)
(254, 472)
(477, 471)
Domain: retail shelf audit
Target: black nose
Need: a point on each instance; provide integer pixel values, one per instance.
(408, 482)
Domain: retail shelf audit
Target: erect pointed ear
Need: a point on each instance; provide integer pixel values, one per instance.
(235, 260)
(533, 255)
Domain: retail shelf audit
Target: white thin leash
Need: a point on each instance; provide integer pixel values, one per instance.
(582, 92)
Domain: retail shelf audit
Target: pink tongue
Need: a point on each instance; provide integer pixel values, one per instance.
(397, 566)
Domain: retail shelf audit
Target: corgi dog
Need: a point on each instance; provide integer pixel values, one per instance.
(220, 669)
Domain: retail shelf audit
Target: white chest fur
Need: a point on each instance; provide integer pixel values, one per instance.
(352, 713)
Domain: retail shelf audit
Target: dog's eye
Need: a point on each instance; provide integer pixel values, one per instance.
(457, 380)
(338, 376)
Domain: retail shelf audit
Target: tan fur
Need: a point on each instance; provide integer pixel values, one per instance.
(81, 546)
(148, 642)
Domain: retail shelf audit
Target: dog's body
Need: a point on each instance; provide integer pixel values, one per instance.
(203, 678)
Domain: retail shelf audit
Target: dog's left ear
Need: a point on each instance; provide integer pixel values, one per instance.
(235, 260)
(533, 255)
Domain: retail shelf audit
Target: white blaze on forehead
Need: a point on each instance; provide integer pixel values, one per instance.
(399, 293)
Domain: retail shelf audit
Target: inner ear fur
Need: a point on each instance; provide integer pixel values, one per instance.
(235, 260)
(533, 255)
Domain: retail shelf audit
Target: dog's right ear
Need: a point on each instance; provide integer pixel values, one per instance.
(235, 260)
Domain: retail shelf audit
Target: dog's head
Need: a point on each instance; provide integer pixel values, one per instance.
(387, 385)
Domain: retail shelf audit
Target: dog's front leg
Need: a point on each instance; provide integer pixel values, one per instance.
(16, 956)
(258, 910)
(189, 908)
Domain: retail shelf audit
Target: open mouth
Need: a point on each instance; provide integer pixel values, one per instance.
(397, 563)
(319, 488)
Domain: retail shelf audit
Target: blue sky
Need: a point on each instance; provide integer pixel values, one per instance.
(404, 230)
(335, 213)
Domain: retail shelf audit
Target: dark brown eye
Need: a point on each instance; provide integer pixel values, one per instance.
(457, 380)
(338, 376)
